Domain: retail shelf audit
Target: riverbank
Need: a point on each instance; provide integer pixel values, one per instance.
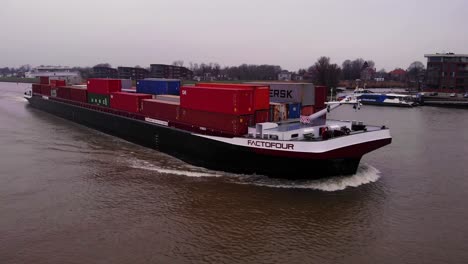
(19, 80)
(373, 84)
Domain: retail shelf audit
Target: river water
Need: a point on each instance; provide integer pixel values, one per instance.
(69, 194)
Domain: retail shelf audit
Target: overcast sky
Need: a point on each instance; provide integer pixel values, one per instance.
(292, 34)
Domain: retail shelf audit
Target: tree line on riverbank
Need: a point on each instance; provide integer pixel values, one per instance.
(322, 72)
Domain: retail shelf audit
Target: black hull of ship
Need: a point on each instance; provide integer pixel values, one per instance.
(196, 150)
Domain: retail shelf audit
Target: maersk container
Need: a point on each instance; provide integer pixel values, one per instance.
(78, 95)
(130, 102)
(36, 88)
(160, 110)
(303, 93)
(294, 110)
(168, 98)
(99, 99)
(220, 100)
(278, 112)
(234, 125)
(261, 93)
(104, 86)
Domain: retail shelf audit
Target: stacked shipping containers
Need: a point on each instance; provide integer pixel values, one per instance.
(44, 80)
(260, 98)
(55, 83)
(78, 94)
(299, 99)
(219, 100)
(160, 110)
(99, 90)
(130, 102)
(36, 88)
(224, 108)
(46, 89)
(63, 92)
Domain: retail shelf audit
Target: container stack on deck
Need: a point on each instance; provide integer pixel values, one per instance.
(290, 100)
(260, 99)
(207, 108)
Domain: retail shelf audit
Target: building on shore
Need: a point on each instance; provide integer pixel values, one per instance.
(398, 74)
(105, 72)
(56, 73)
(170, 72)
(447, 72)
(285, 76)
(133, 73)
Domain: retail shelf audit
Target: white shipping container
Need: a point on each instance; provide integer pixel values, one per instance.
(303, 93)
(126, 83)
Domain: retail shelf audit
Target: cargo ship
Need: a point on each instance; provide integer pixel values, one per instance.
(277, 130)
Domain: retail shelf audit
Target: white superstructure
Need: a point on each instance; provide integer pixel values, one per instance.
(56, 73)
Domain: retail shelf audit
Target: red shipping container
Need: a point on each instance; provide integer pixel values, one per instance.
(78, 95)
(262, 116)
(104, 86)
(46, 89)
(161, 110)
(261, 93)
(63, 92)
(231, 124)
(130, 102)
(220, 100)
(44, 80)
(307, 110)
(55, 83)
(36, 88)
(320, 96)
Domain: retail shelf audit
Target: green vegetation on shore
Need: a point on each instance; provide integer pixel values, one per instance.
(19, 80)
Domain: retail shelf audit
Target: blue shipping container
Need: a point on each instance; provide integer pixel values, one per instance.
(294, 110)
(158, 86)
(173, 87)
(151, 87)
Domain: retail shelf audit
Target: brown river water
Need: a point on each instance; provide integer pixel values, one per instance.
(70, 194)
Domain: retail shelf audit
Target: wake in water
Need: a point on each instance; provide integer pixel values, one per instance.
(365, 174)
(189, 171)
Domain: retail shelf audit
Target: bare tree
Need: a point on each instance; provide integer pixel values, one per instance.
(325, 73)
(416, 72)
(179, 63)
(103, 65)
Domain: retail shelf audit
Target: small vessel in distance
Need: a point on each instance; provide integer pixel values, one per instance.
(226, 127)
(387, 99)
(367, 97)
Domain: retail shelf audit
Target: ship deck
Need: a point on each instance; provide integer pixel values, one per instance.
(294, 125)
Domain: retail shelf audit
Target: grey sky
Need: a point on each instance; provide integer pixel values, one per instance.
(292, 34)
